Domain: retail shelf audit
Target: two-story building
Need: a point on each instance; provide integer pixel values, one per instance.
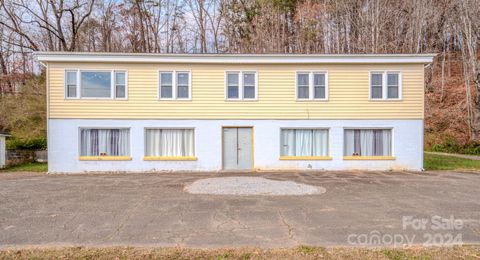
(212, 112)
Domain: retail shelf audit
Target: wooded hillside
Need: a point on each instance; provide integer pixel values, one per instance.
(450, 28)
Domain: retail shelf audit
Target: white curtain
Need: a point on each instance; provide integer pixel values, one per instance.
(170, 142)
(320, 142)
(107, 142)
(366, 143)
(349, 142)
(387, 142)
(304, 142)
(153, 142)
(188, 143)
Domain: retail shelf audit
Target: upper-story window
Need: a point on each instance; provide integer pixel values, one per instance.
(312, 86)
(71, 84)
(385, 85)
(174, 85)
(241, 85)
(95, 84)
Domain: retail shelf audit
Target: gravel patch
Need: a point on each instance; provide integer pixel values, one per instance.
(251, 186)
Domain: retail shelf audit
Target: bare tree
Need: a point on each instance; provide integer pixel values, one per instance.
(449, 27)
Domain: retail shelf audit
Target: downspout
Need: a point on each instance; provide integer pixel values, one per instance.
(47, 83)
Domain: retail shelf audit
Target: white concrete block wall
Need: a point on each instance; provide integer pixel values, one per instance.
(63, 145)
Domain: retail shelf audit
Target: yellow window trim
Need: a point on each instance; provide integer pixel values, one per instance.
(369, 157)
(169, 158)
(305, 158)
(105, 158)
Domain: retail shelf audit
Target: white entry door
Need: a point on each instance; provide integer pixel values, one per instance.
(237, 148)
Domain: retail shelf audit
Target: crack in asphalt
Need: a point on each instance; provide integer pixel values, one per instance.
(289, 227)
(121, 225)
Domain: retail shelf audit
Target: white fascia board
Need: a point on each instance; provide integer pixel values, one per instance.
(233, 58)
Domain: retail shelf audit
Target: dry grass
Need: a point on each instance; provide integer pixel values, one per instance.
(302, 252)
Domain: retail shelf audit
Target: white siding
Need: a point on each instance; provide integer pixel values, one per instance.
(64, 156)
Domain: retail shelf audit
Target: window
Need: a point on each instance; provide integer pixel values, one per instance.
(385, 85)
(377, 85)
(312, 85)
(182, 85)
(166, 85)
(169, 143)
(304, 142)
(303, 85)
(241, 85)
(248, 85)
(368, 142)
(392, 85)
(95, 84)
(105, 142)
(120, 84)
(319, 86)
(71, 84)
(232, 85)
(174, 85)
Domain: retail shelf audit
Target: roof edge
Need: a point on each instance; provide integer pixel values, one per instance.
(232, 58)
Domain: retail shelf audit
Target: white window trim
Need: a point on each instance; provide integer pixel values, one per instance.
(306, 128)
(160, 85)
(385, 85)
(77, 89)
(79, 84)
(169, 128)
(391, 128)
(311, 87)
(79, 150)
(115, 84)
(174, 85)
(240, 85)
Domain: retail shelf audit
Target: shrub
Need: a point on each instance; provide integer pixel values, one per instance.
(33, 144)
(472, 148)
(449, 146)
(452, 146)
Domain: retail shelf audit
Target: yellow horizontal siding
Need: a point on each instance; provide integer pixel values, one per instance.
(348, 96)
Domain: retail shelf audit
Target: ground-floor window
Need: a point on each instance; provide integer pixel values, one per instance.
(304, 142)
(169, 142)
(368, 142)
(104, 142)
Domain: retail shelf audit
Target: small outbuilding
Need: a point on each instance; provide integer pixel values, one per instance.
(3, 150)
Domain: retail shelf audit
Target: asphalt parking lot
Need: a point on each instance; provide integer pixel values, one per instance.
(154, 210)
